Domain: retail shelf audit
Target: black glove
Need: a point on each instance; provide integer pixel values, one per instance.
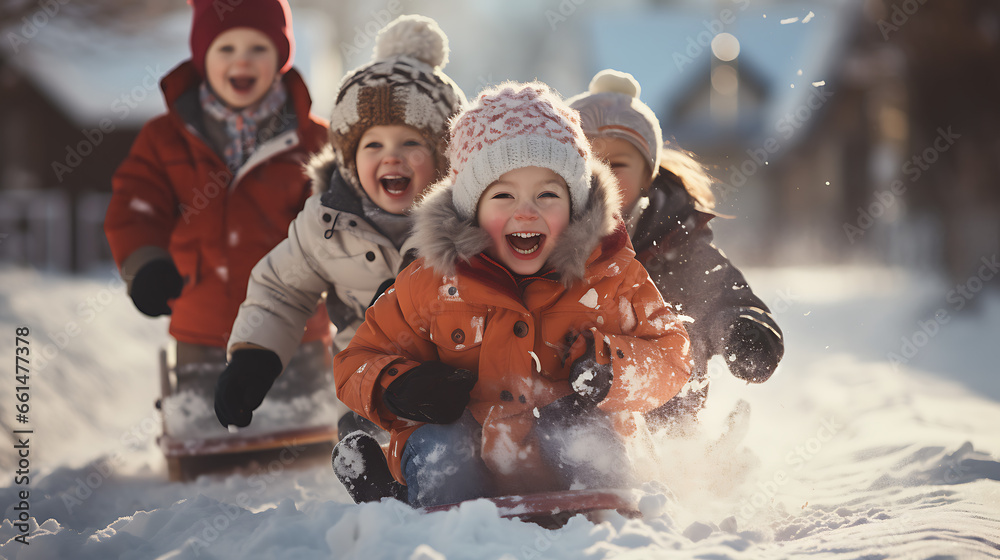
(591, 380)
(432, 392)
(156, 282)
(753, 349)
(244, 383)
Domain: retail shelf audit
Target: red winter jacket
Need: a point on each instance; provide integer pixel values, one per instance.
(173, 196)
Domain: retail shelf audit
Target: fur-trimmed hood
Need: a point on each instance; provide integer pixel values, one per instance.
(320, 169)
(444, 238)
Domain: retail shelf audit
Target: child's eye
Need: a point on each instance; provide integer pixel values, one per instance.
(259, 48)
(412, 143)
(227, 48)
(549, 194)
(373, 145)
(503, 195)
(615, 165)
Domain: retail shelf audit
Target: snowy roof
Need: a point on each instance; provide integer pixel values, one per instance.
(97, 73)
(789, 47)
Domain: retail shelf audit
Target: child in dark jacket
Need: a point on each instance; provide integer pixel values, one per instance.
(211, 186)
(525, 336)
(667, 206)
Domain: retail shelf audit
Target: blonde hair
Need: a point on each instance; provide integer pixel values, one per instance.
(692, 174)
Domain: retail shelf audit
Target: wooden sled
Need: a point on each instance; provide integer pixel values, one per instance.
(553, 509)
(188, 457)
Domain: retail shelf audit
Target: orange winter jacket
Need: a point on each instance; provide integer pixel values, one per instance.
(457, 306)
(173, 196)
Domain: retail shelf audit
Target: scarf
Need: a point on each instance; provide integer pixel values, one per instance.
(241, 124)
(393, 226)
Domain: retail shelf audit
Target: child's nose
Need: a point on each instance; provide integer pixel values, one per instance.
(526, 211)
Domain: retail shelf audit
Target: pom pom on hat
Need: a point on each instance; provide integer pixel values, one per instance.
(611, 107)
(416, 36)
(613, 81)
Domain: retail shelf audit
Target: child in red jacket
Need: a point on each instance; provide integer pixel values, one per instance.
(525, 336)
(211, 186)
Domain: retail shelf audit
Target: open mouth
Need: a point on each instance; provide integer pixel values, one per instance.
(525, 243)
(395, 185)
(242, 85)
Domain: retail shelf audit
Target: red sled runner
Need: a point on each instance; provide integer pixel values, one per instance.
(553, 509)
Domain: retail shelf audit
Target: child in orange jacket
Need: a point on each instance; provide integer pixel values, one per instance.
(524, 337)
(211, 186)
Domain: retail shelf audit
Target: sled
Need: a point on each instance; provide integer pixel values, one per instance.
(553, 509)
(188, 457)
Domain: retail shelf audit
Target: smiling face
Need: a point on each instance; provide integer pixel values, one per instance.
(240, 65)
(524, 212)
(629, 166)
(394, 164)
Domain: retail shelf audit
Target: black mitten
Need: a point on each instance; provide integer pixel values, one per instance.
(156, 282)
(753, 349)
(432, 392)
(244, 383)
(590, 379)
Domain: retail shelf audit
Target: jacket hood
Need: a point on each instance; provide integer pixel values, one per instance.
(320, 169)
(444, 238)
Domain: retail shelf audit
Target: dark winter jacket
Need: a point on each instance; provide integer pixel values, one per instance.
(673, 241)
(174, 197)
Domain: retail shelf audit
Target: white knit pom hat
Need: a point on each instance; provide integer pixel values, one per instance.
(403, 85)
(511, 126)
(611, 107)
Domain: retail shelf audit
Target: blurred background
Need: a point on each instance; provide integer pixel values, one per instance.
(840, 131)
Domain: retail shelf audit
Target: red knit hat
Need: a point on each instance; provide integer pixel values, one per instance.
(271, 17)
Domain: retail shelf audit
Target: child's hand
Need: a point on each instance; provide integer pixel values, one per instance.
(244, 383)
(156, 282)
(590, 379)
(752, 350)
(432, 392)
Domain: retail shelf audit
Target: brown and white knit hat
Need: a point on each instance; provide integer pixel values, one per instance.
(512, 126)
(402, 85)
(611, 107)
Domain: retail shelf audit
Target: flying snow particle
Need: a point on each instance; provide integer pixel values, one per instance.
(141, 206)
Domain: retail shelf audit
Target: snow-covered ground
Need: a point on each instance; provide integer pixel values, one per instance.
(848, 451)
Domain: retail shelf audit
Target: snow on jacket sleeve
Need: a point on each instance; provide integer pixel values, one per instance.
(142, 211)
(650, 357)
(284, 288)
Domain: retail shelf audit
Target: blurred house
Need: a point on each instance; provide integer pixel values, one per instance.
(836, 130)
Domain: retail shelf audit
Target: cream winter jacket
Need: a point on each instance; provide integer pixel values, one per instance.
(330, 249)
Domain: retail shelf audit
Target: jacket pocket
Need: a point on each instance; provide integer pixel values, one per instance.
(458, 331)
